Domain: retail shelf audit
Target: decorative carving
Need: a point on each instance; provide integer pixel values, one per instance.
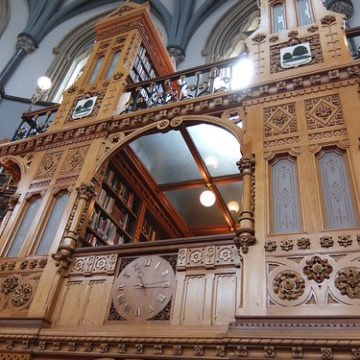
(344, 240)
(297, 352)
(220, 350)
(270, 246)
(177, 350)
(26, 42)
(269, 351)
(303, 243)
(286, 245)
(74, 161)
(323, 112)
(328, 20)
(273, 38)
(208, 257)
(241, 351)
(326, 241)
(279, 120)
(315, 46)
(139, 348)
(22, 295)
(288, 285)
(326, 353)
(9, 284)
(48, 165)
(246, 164)
(355, 353)
(259, 38)
(348, 282)
(280, 142)
(317, 269)
(198, 350)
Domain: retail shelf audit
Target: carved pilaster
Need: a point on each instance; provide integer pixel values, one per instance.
(245, 234)
(86, 191)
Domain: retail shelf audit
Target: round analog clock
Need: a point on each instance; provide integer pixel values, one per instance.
(143, 288)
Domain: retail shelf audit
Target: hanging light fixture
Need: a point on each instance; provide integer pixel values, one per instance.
(233, 206)
(207, 198)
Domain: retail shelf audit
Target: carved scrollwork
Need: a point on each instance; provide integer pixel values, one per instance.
(317, 269)
(289, 285)
(348, 282)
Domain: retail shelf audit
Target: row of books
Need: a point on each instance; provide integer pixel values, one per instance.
(119, 188)
(105, 227)
(148, 230)
(94, 241)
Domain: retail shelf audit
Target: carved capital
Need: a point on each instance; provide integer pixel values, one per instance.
(86, 190)
(246, 164)
(244, 239)
(26, 42)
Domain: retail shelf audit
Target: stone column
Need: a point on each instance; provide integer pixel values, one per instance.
(245, 234)
(25, 44)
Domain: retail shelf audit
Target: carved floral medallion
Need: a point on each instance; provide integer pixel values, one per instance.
(289, 285)
(317, 269)
(348, 282)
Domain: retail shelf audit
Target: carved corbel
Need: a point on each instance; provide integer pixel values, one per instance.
(86, 191)
(245, 234)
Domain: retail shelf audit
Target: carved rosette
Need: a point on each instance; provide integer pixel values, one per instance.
(289, 285)
(318, 269)
(348, 282)
(22, 295)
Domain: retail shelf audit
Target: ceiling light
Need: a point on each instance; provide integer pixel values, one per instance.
(44, 83)
(233, 206)
(242, 73)
(211, 161)
(207, 198)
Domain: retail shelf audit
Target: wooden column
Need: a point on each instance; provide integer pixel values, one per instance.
(245, 234)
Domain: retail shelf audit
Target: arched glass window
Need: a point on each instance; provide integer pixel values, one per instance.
(24, 227)
(96, 69)
(52, 225)
(278, 17)
(336, 191)
(114, 61)
(285, 202)
(304, 12)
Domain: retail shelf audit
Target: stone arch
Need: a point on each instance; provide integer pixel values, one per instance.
(4, 15)
(75, 44)
(116, 141)
(232, 28)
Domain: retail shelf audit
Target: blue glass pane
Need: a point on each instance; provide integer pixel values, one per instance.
(52, 225)
(113, 64)
(24, 228)
(96, 69)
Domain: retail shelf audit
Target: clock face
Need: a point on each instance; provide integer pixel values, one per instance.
(143, 288)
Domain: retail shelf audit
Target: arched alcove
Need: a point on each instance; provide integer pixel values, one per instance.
(155, 179)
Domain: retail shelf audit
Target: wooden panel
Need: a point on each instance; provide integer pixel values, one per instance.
(225, 298)
(194, 299)
(71, 303)
(95, 305)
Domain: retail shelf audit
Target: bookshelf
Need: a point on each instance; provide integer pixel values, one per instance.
(115, 214)
(142, 69)
(120, 215)
(150, 229)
